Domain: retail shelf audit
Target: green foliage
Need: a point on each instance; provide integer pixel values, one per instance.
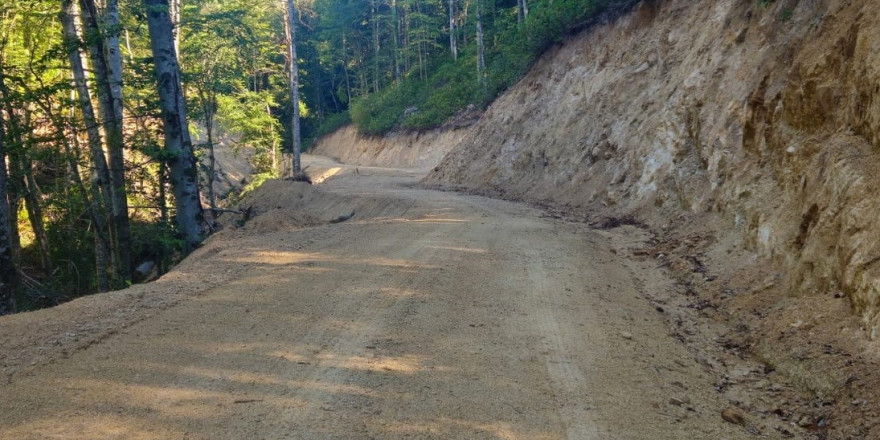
(328, 124)
(248, 117)
(426, 99)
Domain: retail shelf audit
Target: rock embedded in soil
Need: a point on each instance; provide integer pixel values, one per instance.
(733, 415)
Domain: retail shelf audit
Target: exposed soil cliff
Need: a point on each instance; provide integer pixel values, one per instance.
(399, 150)
(767, 115)
(745, 134)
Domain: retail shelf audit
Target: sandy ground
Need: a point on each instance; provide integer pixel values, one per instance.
(428, 315)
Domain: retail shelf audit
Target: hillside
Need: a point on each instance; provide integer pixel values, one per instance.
(764, 115)
(742, 134)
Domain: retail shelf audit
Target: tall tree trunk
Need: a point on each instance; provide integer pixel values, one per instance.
(481, 47)
(296, 142)
(395, 30)
(107, 65)
(345, 69)
(453, 47)
(96, 213)
(178, 144)
(100, 174)
(375, 24)
(522, 10)
(112, 29)
(8, 272)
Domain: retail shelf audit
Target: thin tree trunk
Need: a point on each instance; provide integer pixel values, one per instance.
(212, 161)
(178, 144)
(100, 171)
(102, 243)
(345, 69)
(163, 217)
(8, 272)
(175, 8)
(107, 66)
(273, 153)
(112, 28)
(522, 10)
(481, 48)
(453, 47)
(375, 24)
(395, 30)
(95, 208)
(294, 89)
(100, 174)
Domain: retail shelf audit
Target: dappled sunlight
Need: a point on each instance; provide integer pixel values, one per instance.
(308, 260)
(191, 402)
(251, 378)
(425, 220)
(407, 364)
(439, 220)
(461, 249)
(94, 426)
(320, 178)
(278, 257)
(451, 427)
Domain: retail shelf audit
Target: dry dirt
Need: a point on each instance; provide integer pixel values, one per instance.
(428, 315)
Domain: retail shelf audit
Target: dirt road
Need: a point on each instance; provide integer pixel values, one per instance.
(442, 316)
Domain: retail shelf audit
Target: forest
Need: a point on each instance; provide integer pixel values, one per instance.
(110, 110)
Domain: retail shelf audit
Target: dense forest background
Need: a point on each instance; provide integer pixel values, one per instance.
(107, 146)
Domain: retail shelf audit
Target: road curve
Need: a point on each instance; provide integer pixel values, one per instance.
(454, 317)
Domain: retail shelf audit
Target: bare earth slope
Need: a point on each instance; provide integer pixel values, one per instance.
(764, 113)
(401, 150)
(428, 315)
(745, 135)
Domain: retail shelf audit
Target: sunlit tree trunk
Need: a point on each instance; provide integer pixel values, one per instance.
(176, 6)
(294, 89)
(453, 46)
(107, 66)
(178, 144)
(395, 30)
(100, 175)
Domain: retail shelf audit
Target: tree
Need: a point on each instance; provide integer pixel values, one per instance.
(103, 48)
(296, 167)
(522, 7)
(8, 272)
(453, 46)
(178, 144)
(481, 47)
(100, 174)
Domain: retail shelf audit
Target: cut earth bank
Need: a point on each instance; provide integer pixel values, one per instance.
(743, 135)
